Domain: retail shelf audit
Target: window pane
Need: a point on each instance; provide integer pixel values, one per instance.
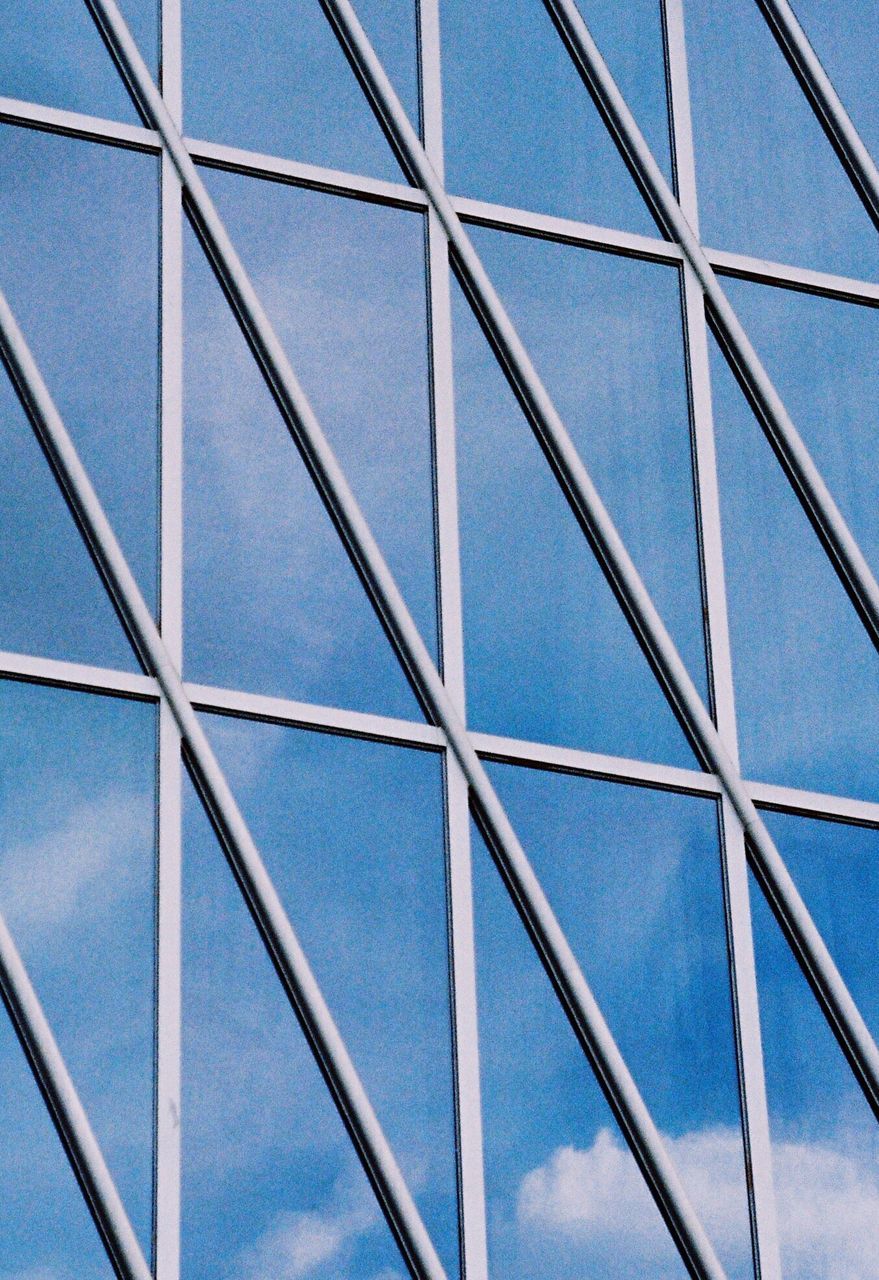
(634, 878)
(825, 1145)
(286, 87)
(550, 655)
(843, 35)
(84, 290)
(51, 52)
(806, 674)
(521, 128)
(273, 604)
(352, 834)
(769, 182)
(77, 798)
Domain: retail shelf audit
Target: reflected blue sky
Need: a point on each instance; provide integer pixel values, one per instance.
(50, 52)
(825, 1142)
(77, 891)
(769, 182)
(634, 877)
(286, 86)
(843, 35)
(521, 129)
(806, 674)
(352, 834)
(85, 295)
(272, 603)
(549, 653)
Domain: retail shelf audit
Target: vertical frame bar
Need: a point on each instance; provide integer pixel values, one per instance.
(465, 1035)
(752, 1087)
(168, 908)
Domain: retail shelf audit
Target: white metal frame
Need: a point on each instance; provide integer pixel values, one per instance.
(445, 698)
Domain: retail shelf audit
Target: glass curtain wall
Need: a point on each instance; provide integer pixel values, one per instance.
(615, 1054)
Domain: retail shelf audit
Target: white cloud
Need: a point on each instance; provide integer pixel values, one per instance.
(299, 1245)
(81, 867)
(595, 1200)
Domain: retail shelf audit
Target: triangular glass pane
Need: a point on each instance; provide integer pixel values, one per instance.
(77, 801)
(806, 675)
(352, 835)
(550, 655)
(521, 128)
(844, 36)
(45, 1226)
(273, 603)
(51, 52)
(634, 877)
(770, 184)
(564, 1197)
(287, 88)
(84, 291)
(825, 1144)
(271, 1182)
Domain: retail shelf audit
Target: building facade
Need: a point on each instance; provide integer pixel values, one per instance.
(440, 828)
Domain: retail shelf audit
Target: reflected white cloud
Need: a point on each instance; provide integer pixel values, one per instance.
(828, 1204)
(300, 1245)
(81, 867)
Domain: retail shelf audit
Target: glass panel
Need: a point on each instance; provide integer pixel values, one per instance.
(77, 799)
(286, 87)
(51, 52)
(273, 604)
(521, 128)
(352, 834)
(84, 290)
(806, 674)
(550, 655)
(821, 355)
(45, 1226)
(634, 878)
(843, 35)
(769, 182)
(825, 1151)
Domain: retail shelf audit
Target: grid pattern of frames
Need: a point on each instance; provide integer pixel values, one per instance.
(746, 1185)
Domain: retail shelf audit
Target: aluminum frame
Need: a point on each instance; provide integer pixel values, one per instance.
(488, 747)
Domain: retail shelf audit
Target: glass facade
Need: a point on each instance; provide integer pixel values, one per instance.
(438, 655)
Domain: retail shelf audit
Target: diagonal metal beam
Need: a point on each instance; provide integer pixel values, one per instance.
(836, 1001)
(558, 958)
(825, 102)
(808, 484)
(262, 898)
(68, 1113)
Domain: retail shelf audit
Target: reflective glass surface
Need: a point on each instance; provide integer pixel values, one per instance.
(770, 184)
(825, 1146)
(51, 52)
(549, 653)
(843, 35)
(634, 879)
(272, 602)
(521, 128)
(84, 292)
(286, 87)
(805, 672)
(352, 834)
(77, 797)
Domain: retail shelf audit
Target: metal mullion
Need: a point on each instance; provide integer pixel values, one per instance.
(840, 1009)
(825, 102)
(167, 1188)
(468, 1107)
(817, 501)
(585, 1015)
(734, 866)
